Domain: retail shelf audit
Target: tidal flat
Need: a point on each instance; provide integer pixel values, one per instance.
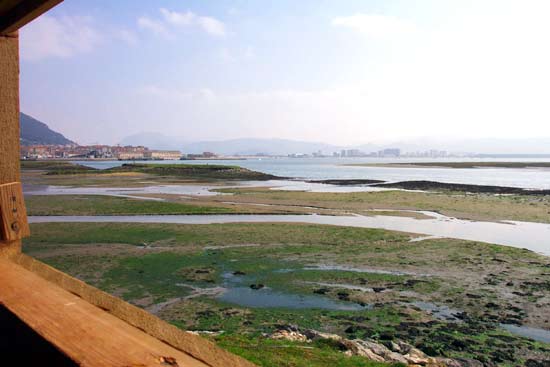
(377, 279)
(240, 283)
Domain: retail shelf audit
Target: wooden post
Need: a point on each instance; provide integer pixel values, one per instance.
(9, 123)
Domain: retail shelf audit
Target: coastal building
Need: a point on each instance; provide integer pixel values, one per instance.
(163, 154)
(203, 155)
(129, 152)
(390, 152)
(354, 153)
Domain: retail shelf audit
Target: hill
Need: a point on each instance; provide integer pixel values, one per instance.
(247, 146)
(34, 132)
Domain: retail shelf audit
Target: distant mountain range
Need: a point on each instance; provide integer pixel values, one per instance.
(34, 132)
(247, 146)
(285, 146)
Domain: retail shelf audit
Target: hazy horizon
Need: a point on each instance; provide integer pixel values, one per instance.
(344, 73)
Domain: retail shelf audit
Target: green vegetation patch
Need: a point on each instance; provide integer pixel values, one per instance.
(211, 234)
(268, 353)
(479, 206)
(190, 171)
(111, 205)
(196, 171)
(56, 167)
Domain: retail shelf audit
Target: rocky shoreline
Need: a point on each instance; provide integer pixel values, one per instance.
(394, 351)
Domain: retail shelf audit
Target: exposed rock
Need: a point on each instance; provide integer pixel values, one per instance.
(358, 348)
(394, 347)
(394, 351)
(321, 291)
(289, 335)
(257, 286)
(315, 335)
(416, 356)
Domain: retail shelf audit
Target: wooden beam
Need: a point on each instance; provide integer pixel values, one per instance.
(13, 214)
(22, 13)
(87, 334)
(9, 123)
(191, 344)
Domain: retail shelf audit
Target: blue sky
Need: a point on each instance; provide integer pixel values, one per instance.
(344, 72)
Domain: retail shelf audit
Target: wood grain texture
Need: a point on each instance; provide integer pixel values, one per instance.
(85, 333)
(9, 122)
(13, 214)
(193, 345)
(9, 109)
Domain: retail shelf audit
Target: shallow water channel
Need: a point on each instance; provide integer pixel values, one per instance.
(532, 236)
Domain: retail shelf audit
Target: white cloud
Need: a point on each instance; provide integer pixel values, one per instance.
(210, 25)
(226, 56)
(276, 113)
(181, 19)
(376, 26)
(127, 36)
(154, 26)
(240, 55)
(203, 94)
(62, 37)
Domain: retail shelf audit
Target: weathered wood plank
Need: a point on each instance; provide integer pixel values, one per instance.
(13, 214)
(85, 333)
(9, 122)
(191, 344)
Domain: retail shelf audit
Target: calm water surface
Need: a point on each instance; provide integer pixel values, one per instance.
(335, 168)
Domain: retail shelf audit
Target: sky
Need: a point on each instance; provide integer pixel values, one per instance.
(338, 71)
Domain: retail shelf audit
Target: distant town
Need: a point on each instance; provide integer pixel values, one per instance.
(385, 153)
(106, 152)
(117, 152)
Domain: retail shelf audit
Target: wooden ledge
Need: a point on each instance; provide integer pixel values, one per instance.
(193, 345)
(85, 333)
(90, 335)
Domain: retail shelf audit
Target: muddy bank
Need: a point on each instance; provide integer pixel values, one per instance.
(186, 171)
(478, 189)
(347, 182)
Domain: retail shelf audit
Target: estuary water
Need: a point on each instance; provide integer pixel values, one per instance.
(532, 236)
(338, 168)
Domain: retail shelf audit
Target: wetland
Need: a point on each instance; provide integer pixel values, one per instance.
(243, 283)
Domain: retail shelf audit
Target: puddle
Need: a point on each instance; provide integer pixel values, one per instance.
(540, 335)
(439, 312)
(423, 238)
(448, 314)
(289, 185)
(238, 292)
(351, 287)
(268, 298)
